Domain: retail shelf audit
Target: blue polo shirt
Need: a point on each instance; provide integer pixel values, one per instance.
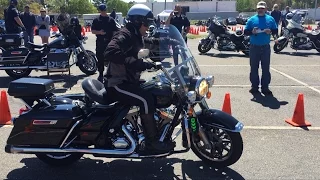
(261, 22)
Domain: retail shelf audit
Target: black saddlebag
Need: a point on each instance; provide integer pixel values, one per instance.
(44, 127)
(10, 40)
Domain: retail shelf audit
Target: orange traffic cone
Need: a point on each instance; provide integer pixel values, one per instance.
(227, 104)
(5, 115)
(83, 31)
(298, 118)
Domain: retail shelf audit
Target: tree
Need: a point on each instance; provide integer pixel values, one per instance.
(34, 7)
(119, 5)
(81, 7)
(96, 3)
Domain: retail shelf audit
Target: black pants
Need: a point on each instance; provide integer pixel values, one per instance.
(132, 94)
(100, 48)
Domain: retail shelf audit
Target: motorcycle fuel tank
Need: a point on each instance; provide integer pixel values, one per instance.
(162, 93)
(59, 43)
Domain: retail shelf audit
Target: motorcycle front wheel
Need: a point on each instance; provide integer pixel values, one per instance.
(59, 159)
(226, 147)
(18, 73)
(279, 47)
(88, 66)
(204, 48)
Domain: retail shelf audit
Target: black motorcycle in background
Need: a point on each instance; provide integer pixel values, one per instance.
(19, 59)
(226, 39)
(300, 38)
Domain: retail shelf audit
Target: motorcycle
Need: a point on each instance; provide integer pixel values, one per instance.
(19, 59)
(300, 38)
(226, 39)
(60, 129)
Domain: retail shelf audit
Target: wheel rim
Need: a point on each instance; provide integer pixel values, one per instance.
(221, 149)
(205, 47)
(58, 156)
(89, 63)
(18, 72)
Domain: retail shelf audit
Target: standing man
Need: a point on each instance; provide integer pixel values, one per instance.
(113, 14)
(276, 14)
(103, 27)
(29, 20)
(260, 27)
(182, 23)
(13, 22)
(284, 20)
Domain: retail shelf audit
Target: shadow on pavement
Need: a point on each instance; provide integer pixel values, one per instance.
(122, 169)
(268, 101)
(222, 55)
(301, 54)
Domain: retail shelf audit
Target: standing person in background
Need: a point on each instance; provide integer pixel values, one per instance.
(284, 20)
(43, 22)
(260, 27)
(276, 14)
(113, 14)
(29, 21)
(103, 27)
(182, 23)
(13, 23)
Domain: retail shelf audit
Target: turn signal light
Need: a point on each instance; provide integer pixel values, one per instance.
(208, 94)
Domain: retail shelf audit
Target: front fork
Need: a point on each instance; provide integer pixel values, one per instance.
(196, 129)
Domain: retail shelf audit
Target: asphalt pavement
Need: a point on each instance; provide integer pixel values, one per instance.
(273, 149)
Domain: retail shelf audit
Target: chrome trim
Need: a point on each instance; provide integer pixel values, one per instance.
(65, 139)
(45, 101)
(14, 149)
(70, 142)
(186, 125)
(163, 135)
(138, 156)
(23, 67)
(52, 122)
(177, 134)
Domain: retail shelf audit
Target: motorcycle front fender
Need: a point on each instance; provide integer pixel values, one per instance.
(204, 40)
(282, 39)
(219, 119)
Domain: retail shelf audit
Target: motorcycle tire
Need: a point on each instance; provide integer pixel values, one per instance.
(318, 50)
(201, 50)
(247, 53)
(62, 160)
(14, 75)
(81, 63)
(278, 47)
(235, 150)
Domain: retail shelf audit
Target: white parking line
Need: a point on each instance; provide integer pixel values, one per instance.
(296, 80)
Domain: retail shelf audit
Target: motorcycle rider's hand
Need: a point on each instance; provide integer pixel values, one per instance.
(268, 31)
(149, 65)
(255, 31)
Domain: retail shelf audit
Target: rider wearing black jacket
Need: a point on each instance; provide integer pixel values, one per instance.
(124, 70)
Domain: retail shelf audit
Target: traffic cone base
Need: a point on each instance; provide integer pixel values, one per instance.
(298, 119)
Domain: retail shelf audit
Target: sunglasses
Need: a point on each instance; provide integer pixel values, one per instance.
(261, 8)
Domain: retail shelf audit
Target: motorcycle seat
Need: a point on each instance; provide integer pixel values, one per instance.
(95, 90)
(36, 46)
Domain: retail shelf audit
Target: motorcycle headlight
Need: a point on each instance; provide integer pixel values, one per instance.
(202, 87)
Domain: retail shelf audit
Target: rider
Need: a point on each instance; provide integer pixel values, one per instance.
(76, 27)
(63, 20)
(124, 70)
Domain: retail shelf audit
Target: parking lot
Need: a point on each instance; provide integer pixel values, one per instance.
(273, 149)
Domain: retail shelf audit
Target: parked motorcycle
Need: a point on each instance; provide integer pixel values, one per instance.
(300, 38)
(226, 39)
(60, 129)
(19, 59)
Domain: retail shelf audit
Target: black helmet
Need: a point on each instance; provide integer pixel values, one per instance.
(74, 21)
(140, 14)
(289, 16)
(15, 2)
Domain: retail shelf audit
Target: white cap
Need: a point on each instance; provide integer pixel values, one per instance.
(261, 4)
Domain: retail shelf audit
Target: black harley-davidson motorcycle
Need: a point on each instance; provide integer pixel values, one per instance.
(60, 129)
(300, 38)
(226, 39)
(19, 59)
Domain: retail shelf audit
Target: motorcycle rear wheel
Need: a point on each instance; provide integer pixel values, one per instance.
(59, 159)
(15, 73)
(215, 157)
(204, 48)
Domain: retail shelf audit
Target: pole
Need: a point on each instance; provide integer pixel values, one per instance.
(315, 9)
(165, 4)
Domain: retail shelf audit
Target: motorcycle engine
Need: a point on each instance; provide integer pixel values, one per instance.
(225, 44)
(120, 143)
(301, 43)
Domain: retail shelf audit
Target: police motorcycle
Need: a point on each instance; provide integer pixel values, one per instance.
(161, 51)
(297, 35)
(19, 59)
(226, 39)
(59, 129)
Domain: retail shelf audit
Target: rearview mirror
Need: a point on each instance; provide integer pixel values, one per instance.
(143, 53)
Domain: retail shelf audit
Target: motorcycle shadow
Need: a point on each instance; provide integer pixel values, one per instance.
(301, 54)
(223, 55)
(122, 169)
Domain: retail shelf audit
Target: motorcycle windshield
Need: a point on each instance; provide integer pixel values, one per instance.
(297, 18)
(187, 66)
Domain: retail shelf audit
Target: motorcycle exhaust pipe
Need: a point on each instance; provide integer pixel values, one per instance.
(23, 67)
(26, 150)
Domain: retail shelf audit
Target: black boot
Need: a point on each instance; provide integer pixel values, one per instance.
(100, 77)
(152, 141)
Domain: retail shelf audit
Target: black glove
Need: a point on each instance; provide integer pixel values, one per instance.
(149, 65)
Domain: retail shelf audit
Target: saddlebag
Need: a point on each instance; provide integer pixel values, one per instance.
(44, 127)
(10, 40)
(14, 56)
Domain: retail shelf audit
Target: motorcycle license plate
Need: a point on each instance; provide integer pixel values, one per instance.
(193, 122)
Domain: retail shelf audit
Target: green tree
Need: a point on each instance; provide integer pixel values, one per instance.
(96, 3)
(119, 5)
(81, 7)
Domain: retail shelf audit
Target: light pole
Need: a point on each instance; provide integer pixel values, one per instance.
(315, 9)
